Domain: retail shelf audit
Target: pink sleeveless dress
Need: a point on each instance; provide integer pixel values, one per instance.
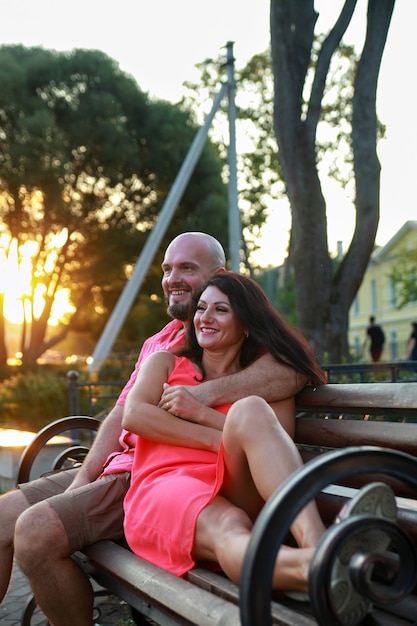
(170, 485)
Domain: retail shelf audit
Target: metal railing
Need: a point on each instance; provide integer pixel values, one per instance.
(393, 372)
(92, 398)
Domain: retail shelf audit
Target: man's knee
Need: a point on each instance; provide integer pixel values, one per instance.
(12, 505)
(39, 536)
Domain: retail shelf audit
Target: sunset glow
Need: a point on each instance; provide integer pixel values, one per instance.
(21, 279)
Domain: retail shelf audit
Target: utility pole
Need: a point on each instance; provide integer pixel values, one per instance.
(235, 226)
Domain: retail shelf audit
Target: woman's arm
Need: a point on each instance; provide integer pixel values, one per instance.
(143, 416)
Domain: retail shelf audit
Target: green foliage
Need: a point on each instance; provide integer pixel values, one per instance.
(146, 318)
(87, 156)
(28, 401)
(285, 301)
(404, 274)
(278, 284)
(260, 172)
(5, 372)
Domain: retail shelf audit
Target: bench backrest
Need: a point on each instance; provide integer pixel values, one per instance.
(398, 399)
(341, 415)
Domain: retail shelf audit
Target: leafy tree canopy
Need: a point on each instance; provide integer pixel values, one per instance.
(404, 275)
(86, 162)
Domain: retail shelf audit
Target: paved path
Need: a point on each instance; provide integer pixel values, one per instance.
(113, 612)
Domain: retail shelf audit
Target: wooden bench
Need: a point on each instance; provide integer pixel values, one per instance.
(364, 430)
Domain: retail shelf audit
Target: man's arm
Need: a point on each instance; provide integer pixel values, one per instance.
(106, 442)
(265, 378)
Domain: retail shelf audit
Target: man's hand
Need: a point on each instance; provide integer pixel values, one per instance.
(177, 400)
(200, 394)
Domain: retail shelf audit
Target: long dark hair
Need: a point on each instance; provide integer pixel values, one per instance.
(267, 330)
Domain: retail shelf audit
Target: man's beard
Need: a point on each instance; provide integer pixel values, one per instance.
(179, 311)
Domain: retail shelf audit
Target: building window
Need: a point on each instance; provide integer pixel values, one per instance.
(355, 306)
(413, 279)
(373, 296)
(393, 344)
(357, 346)
(392, 293)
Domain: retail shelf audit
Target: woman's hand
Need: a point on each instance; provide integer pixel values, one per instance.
(178, 401)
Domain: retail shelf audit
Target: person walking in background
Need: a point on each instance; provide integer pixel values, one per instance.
(376, 339)
(412, 343)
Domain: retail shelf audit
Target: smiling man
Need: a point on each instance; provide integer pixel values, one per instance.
(189, 261)
(47, 520)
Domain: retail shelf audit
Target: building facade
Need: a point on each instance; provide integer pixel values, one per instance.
(377, 296)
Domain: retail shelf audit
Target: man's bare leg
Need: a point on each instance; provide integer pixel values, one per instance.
(62, 590)
(12, 504)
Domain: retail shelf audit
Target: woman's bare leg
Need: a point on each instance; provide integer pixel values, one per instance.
(222, 535)
(259, 456)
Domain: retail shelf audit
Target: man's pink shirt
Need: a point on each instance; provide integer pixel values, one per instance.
(166, 339)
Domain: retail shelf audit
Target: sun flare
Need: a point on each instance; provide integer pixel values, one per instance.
(24, 294)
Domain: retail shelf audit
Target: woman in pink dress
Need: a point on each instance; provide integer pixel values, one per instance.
(196, 498)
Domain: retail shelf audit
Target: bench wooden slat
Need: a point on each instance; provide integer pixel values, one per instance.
(221, 586)
(315, 435)
(122, 571)
(202, 598)
(335, 433)
(372, 398)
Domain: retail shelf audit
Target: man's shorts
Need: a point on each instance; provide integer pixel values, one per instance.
(376, 354)
(89, 513)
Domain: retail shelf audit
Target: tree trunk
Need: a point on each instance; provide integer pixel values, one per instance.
(323, 300)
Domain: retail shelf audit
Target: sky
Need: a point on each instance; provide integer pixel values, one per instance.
(159, 42)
